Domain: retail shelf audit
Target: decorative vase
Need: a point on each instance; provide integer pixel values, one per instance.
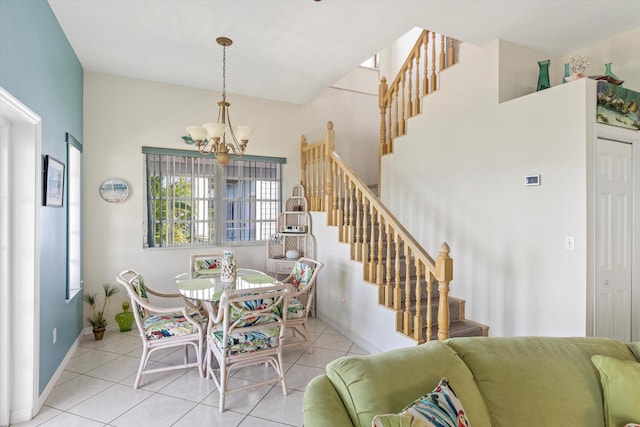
(567, 73)
(228, 267)
(608, 72)
(98, 333)
(125, 318)
(543, 75)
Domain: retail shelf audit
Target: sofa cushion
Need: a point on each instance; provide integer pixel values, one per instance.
(621, 387)
(385, 382)
(439, 408)
(518, 375)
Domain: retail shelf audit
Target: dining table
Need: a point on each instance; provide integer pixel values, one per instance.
(209, 287)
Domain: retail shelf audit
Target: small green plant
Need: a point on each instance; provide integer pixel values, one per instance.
(97, 320)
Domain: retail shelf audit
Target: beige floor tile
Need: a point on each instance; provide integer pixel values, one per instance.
(204, 415)
(156, 411)
(277, 407)
(77, 390)
(109, 404)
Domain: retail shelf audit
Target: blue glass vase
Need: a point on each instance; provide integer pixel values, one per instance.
(543, 74)
(567, 73)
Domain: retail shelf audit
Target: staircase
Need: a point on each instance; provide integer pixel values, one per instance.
(408, 279)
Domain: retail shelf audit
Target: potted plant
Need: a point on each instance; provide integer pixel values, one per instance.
(97, 319)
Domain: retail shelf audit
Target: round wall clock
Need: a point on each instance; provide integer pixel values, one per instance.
(114, 190)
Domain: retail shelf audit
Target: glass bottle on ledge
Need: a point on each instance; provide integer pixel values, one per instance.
(543, 75)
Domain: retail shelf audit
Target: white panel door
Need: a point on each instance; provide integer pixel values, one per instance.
(614, 203)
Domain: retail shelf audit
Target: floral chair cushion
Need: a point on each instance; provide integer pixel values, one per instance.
(141, 290)
(440, 408)
(246, 342)
(204, 267)
(237, 312)
(166, 325)
(295, 309)
(302, 273)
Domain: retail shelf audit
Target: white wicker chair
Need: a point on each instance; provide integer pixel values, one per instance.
(301, 304)
(162, 327)
(248, 329)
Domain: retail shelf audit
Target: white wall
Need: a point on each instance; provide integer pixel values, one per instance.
(459, 177)
(356, 120)
(345, 301)
(121, 115)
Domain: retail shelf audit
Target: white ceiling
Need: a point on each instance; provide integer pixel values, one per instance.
(290, 50)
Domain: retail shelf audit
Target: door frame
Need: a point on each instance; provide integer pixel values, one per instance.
(632, 137)
(21, 193)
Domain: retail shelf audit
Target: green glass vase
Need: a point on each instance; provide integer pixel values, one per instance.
(543, 75)
(125, 318)
(608, 72)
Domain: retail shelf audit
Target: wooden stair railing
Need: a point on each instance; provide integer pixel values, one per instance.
(378, 240)
(401, 99)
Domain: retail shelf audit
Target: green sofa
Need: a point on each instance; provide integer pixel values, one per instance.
(501, 382)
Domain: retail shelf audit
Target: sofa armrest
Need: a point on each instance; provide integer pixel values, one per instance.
(322, 405)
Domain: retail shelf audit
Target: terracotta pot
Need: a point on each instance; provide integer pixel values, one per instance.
(98, 333)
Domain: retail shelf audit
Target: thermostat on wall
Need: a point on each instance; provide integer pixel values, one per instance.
(532, 180)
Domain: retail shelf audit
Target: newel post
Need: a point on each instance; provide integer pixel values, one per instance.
(444, 275)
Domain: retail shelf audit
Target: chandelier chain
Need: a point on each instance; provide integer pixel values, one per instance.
(224, 72)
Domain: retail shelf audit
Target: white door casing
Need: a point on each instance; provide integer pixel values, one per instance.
(614, 239)
(20, 197)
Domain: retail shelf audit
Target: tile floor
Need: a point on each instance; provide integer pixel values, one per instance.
(96, 388)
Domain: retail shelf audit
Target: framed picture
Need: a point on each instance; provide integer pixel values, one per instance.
(114, 190)
(53, 182)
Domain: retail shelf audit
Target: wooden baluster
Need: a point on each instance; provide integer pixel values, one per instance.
(425, 74)
(317, 182)
(303, 161)
(388, 290)
(407, 292)
(364, 249)
(410, 88)
(402, 104)
(397, 291)
(331, 216)
(379, 265)
(345, 208)
(340, 199)
(396, 125)
(452, 51)
(442, 55)
(390, 127)
(356, 246)
(416, 101)
(434, 83)
(382, 104)
(351, 228)
(430, 279)
(417, 318)
(372, 247)
(444, 275)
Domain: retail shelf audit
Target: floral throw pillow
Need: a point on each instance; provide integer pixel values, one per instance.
(440, 408)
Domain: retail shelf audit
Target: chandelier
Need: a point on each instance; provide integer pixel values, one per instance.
(220, 138)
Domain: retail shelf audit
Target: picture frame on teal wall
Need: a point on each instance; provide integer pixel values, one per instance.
(53, 182)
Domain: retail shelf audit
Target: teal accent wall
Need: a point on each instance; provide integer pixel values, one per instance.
(39, 68)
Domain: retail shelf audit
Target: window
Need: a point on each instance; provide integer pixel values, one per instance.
(193, 201)
(74, 215)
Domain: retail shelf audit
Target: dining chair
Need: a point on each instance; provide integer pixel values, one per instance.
(302, 301)
(248, 329)
(204, 264)
(162, 327)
